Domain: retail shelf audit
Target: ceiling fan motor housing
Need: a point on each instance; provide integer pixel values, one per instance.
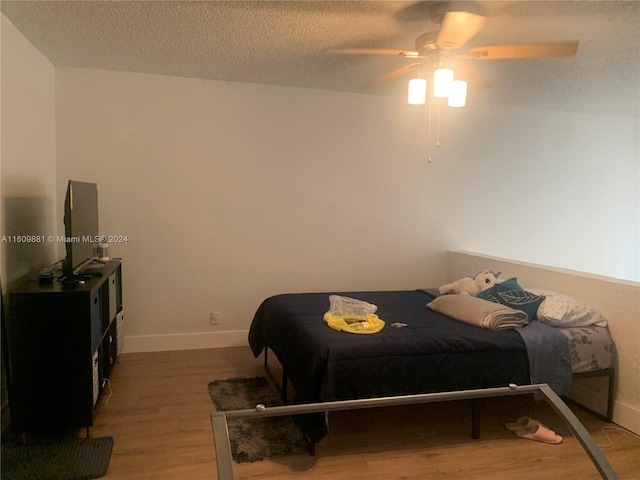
(426, 43)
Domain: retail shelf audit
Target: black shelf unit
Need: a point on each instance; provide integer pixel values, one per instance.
(63, 346)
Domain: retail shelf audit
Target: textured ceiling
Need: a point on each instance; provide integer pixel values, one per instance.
(286, 43)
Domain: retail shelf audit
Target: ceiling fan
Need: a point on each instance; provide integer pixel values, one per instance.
(459, 22)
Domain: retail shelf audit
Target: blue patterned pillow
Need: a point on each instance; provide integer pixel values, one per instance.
(511, 294)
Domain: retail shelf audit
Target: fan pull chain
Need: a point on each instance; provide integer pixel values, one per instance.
(438, 126)
(429, 132)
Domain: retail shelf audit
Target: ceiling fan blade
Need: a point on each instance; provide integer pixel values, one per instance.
(393, 75)
(458, 28)
(534, 50)
(374, 51)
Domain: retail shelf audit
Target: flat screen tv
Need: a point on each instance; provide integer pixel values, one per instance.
(80, 226)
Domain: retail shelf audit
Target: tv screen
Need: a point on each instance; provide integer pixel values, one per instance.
(80, 225)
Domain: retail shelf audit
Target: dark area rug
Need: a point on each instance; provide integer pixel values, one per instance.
(70, 459)
(258, 438)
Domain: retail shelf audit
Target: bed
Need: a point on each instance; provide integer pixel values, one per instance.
(418, 351)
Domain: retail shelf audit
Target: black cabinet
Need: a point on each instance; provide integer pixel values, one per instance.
(63, 345)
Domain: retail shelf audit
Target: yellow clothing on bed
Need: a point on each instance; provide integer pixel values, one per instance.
(352, 323)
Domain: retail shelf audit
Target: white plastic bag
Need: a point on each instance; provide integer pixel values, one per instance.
(349, 306)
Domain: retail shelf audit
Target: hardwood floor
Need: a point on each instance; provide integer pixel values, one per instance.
(158, 414)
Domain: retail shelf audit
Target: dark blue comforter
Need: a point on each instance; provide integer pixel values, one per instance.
(432, 353)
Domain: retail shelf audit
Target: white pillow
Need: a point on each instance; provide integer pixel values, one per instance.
(561, 310)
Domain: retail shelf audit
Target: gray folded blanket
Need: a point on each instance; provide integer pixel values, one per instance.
(479, 312)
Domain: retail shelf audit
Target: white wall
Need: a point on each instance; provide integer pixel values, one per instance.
(28, 166)
(617, 300)
(229, 193)
(547, 187)
(27, 163)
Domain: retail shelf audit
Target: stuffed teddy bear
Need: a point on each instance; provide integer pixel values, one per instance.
(471, 285)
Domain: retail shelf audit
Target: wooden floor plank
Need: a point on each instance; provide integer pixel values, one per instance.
(158, 413)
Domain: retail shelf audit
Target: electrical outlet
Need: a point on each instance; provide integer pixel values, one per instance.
(215, 318)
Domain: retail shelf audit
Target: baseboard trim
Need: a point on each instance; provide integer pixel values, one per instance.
(185, 341)
(626, 416)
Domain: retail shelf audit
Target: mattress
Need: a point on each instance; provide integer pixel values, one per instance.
(591, 348)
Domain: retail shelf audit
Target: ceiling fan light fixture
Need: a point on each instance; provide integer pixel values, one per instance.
(458, 94)
(442, 80)
(417, 91)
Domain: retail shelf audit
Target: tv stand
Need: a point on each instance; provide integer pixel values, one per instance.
(63, 341)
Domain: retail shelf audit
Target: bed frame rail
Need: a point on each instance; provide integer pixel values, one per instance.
(609, 373)
(284, 381)
(224, 460)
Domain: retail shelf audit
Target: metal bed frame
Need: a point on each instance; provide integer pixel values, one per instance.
(224, 459)
(284, 383)
(610, 374)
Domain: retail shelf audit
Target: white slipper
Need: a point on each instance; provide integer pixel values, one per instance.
(539, 433)
(523, 422)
